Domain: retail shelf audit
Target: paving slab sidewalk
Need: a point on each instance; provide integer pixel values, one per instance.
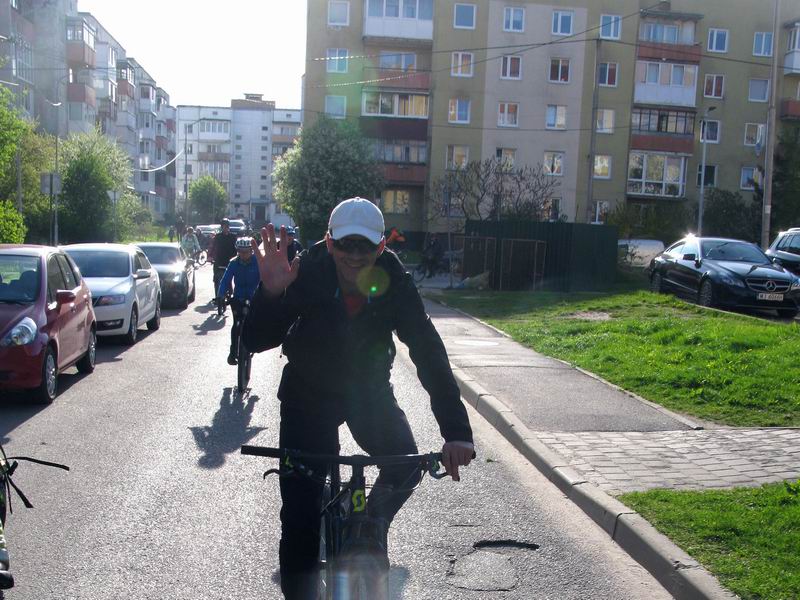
(595, 440)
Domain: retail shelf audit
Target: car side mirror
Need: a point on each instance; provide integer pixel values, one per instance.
(142, 274)
(691, 257)
(65, 296)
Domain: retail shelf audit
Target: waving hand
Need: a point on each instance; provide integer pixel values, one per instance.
(273, 267)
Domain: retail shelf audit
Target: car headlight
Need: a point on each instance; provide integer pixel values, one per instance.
(108, 300)
(21, 334)
(177, 276)
(796, 285)
(731, 280)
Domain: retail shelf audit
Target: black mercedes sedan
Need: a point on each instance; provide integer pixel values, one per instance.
(725, 273)
(175, 271)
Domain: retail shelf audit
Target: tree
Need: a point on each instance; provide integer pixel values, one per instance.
(330, 162)
(665, 222)
(208, 199)
(12, 227)
(786, 181)
(133, 219)
(12, 127)
(727, 214)
(93, 165)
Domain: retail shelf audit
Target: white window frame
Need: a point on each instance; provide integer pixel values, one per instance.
(503, 114)
(615, 23)
(647, 67)
(557, 110)
(608, 70)
(457, 102)
(347, 20)
(330, 114)
(506, 19)
(335, 60)
(706, 183)
(759, 127)
(474, 15)
(505, 65)
(447, 156)
(597, 210)
(793, 40)
(703, 138)
(749, 84)
(713, 85)
(713, 32)
(395, 105)
(755, 179)
(610, 111)
(672, 76)
(594, 166)
(561, 62)
(664, 182)
(456, 66)
(555, 28)
(545, 164)
(761, 50)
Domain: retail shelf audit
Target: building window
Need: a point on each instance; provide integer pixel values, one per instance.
(400, 151)
(758, 90)
(607, 76)
(506, 157)
(556, 117)
(412, 9)
(749, 178)
(238, 137)
(559, 70)
(511, 67)
(753, 134)
(389, 104)
(508, 114)
(335, 106)
(602, 166)
(605, 120)
(610, 27)
(552, 208)
(457, 157)
(662, 121)
(656, 174)
(660, 33)
(762, 43)
(144, 176)
(396, 202)
(554, 163)
(717, 40)
(562, 22)
(337, 60)
(461, 64)
(794, 39)
(265, 148)
(678, 75)
(714, 87)
(514, 19)
(599, 212)
(711, 175)
(709, 131)
(398, 61)
(464, 16)
(458, 111)
(338, 13)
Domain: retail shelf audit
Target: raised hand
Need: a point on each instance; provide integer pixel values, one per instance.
(273, 267)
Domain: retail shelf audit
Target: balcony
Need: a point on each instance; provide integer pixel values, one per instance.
(791, 63)
(147, 133)
(407, 32)
(161, 142)
(213, 156)
(398, 79)
(80, 54)
(171, 125)
(161, 191)
(124, 88)
(665, 95)
(406, 174)
(682, 144)
(78, 92)
(683, 53)
(147, 105)
(126, 119)
(790, 109)
(107, 108)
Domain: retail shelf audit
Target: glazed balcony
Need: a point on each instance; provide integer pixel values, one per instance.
(124, 88)
(80, 54)
(662, 142)
(398, 79)
(408, 174)
(79, 92)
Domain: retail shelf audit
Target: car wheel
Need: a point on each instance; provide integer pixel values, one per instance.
(657, 283)
(194, 289)
(787, 313)
(86, 363)
(154, 323)
(133, 328)
(705, 296)
(48, 388)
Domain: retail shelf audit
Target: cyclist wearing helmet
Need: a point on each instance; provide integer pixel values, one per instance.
(223, 251)
(189, 242)
(242, 271)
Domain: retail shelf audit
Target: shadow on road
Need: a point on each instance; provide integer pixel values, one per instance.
(109, 348)
(398, 576)
(229, 429)
(204, 308)
(213, 322)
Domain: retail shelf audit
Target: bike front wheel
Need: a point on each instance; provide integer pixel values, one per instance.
(245, 362)
(202, 258)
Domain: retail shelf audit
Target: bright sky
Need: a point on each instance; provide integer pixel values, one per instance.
(208, 52)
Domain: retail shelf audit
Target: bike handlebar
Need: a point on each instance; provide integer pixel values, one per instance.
(357, 460)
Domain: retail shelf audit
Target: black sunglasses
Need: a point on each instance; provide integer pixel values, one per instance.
(355, 246)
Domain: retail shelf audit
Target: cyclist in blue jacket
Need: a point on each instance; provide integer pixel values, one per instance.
(242, 272)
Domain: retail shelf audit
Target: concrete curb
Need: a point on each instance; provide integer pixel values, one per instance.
(675, 570)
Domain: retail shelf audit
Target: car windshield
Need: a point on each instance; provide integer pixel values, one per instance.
(733, 251)
(19, 278)
(101, 263)
(162, 255)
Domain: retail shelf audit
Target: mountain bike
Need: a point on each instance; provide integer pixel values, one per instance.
(9, 464)
(200, 258)
(354, 563)
(244, 358)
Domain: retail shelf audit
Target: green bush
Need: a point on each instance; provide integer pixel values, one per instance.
(12, 226)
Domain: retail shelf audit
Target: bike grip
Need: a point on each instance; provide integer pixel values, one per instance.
(262, 451)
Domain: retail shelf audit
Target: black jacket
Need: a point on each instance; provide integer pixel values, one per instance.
(224, 249)
(333, 358)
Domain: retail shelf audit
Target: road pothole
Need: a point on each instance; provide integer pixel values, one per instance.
(486, 570)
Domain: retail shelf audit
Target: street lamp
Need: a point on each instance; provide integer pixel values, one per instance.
(704, 141)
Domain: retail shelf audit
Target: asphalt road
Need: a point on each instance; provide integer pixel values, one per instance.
(160, 505)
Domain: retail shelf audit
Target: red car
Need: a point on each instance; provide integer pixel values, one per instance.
(47, 322)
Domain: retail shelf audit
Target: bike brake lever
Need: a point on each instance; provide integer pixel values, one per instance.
(271, 472)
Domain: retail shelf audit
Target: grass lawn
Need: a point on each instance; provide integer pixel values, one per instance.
(748, 537)
(717, 366)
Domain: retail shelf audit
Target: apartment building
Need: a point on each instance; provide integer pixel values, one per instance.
(614, 99)
(71, 75)
(237, 146)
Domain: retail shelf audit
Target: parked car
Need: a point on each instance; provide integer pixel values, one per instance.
(785, 250)
(725, 272)
(125, 287)
(175, 269)
(47, 323)
(638, 253)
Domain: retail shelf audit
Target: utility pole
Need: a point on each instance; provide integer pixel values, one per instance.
(704, 141)
(185, 173)
(769, 160)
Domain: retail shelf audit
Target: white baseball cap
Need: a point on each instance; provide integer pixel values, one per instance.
(356, 216)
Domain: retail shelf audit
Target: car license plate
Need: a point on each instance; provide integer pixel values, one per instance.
(771, 297)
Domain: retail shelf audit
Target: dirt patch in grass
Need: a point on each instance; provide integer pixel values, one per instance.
(590, 316)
